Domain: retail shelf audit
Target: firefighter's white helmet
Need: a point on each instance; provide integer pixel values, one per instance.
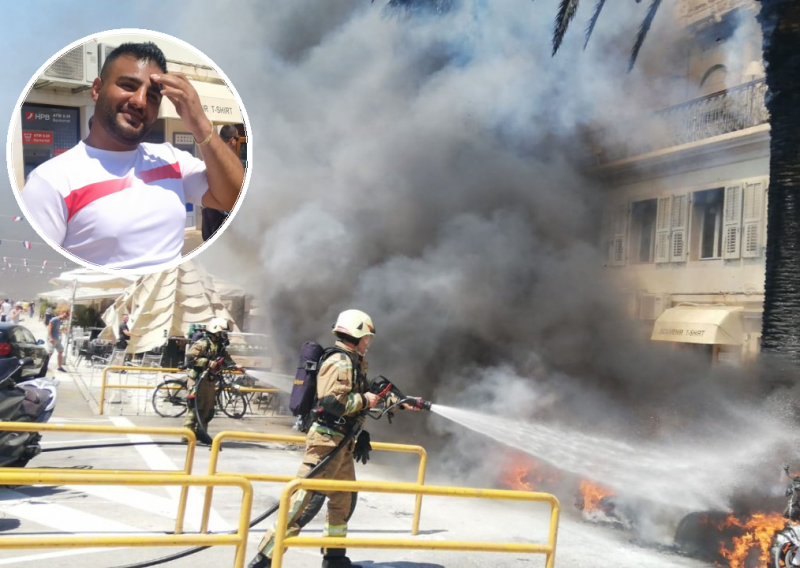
(354, 323)
(216, 325)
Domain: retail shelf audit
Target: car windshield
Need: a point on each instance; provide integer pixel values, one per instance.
(18, 333)
(28, 335)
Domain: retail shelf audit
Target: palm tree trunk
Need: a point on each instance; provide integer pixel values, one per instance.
(780, 23)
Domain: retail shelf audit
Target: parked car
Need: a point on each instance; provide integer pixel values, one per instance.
(18, 341)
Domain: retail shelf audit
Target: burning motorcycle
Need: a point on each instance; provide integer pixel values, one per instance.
(28, 401)
(785, 547)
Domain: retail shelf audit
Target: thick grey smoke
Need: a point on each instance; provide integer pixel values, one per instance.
(431, 170)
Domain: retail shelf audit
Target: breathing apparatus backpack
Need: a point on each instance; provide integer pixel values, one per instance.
(304, 389)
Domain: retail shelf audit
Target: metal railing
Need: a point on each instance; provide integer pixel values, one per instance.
(254, 437)
(719, 113)
(124, 386)
(29, 477)
(98, 429)
(282, 542)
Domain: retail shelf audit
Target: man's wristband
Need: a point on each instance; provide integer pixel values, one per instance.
(208, 138)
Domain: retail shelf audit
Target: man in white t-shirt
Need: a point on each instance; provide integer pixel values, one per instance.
(6, 310)
(81, 198)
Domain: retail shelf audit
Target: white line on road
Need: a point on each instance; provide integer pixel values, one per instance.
(41, 510)
(60, 420)
(129, 497)
(50, 555)
(156, 459)
(84, 441)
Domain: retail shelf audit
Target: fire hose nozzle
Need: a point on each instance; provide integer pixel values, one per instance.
(417, 402)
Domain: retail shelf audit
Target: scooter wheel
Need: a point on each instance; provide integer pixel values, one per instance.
(783, 557)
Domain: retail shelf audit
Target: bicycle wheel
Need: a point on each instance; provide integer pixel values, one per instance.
(231, 402)
(170, 398)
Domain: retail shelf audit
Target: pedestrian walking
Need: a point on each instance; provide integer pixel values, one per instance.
(54, 338)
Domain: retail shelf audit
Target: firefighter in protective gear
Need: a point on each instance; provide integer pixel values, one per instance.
(202, 355)
(342, 395)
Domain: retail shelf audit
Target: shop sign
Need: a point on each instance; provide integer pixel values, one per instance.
(681, 332)
(37, 137)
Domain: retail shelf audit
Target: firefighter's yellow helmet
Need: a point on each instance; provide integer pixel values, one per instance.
(354, 323)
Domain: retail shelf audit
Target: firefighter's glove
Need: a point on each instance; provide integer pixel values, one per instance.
(363, 447)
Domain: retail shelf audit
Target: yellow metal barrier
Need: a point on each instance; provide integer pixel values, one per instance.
(98, 429)
(301, 440)
(281, 541)
(104, 377)
(239, 539)
(104, 385)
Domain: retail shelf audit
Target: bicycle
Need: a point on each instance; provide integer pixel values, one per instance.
(171, 397)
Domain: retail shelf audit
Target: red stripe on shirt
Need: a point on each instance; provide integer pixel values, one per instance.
(168, 171)
(81, 197)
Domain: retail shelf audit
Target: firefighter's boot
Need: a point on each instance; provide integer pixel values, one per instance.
(335, 558)
(260, 561)
(203, 437)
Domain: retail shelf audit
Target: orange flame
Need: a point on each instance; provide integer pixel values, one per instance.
(528, 475)
(518, 478)
(591, 495)
(758, 531)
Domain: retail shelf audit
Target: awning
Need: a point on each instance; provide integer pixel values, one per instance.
(710, 325)
(82, 295)
(217, 101)
(92, 279)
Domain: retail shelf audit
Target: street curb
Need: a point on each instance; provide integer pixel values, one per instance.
(85, 392)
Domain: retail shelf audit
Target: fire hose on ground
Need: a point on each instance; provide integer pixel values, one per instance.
(376, 415)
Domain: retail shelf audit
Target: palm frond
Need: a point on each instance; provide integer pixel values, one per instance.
(593, 22)
(648, 21)
(566, 11)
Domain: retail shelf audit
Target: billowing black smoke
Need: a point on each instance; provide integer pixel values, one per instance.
(431, 169)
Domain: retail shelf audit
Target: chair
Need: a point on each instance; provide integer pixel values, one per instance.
(115, 359)
(151, 360)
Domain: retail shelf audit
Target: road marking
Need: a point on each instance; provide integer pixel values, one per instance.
(60, 420)
(156, 459)
(84, 441)
(134, 498)
(50, 555)
(65, 519)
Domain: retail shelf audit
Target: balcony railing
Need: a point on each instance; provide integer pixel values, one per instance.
(720, 113)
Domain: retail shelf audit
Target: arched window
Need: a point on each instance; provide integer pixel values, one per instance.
(714, 80)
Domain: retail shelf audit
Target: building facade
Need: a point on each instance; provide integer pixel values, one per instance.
(685, 221)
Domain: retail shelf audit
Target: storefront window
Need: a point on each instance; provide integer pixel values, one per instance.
(47, 131)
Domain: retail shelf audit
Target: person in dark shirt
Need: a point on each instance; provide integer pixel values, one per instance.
(124, 333)
(214, 218)
(54, 338)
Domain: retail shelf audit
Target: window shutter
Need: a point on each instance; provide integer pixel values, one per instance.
(679, 223)
(607, 236)
(662, 230)
(732, 222)
(618, 241)
(751, 219)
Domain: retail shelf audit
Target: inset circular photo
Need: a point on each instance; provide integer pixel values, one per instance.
(129, 151)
